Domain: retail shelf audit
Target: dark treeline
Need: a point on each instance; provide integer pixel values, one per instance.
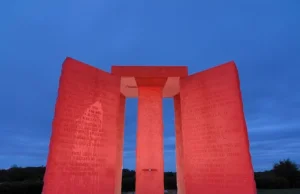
(285, 174)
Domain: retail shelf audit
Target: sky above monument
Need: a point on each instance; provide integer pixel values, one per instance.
(262, 37)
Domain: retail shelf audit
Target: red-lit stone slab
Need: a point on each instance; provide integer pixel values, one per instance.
(149, 148)
(120, 144)
(215, 141)
(166, 77)
(86, 146)
(150, 84)
(179, 146)
(83, 147)
(150, 71)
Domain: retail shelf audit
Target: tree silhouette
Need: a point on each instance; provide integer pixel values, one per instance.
(29, 180)
(287, 169)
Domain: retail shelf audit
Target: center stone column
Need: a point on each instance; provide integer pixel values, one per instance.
(149, 149)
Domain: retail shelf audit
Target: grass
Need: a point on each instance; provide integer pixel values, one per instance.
(279, 191)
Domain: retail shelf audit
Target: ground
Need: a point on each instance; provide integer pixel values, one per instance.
(278, 191)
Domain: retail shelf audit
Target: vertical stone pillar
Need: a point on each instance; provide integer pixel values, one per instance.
(120, 145)
(215, 142)
(179, 146)
(82, 150)
(149, 150)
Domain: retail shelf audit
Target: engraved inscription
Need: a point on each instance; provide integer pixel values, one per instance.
(82, 151)
(216, 152)
(80, 141)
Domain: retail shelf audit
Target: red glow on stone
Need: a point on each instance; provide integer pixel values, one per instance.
(86, 145)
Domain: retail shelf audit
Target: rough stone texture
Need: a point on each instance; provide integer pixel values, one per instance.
(149, 149)
(150, 71)
(215, 141)
(179, 146)
(82, 151)
(86, 146)
(120, 145)
(133, 77)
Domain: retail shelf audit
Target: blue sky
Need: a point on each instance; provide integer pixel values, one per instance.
(262, 37)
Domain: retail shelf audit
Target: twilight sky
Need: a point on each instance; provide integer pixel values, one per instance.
(262, 37)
